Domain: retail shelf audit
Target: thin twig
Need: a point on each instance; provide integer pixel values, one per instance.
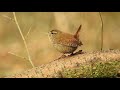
(7, 17)
(29, 58)
(101, 31)
(28, 31)
(17, 55)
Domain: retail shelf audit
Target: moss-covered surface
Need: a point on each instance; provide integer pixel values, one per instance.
(93, 70)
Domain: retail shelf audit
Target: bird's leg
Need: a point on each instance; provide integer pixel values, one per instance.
(72, 54)
(79, 52)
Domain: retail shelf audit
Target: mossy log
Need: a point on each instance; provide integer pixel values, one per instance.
(98, 64)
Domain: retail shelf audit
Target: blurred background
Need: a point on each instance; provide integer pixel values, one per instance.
(35, 25)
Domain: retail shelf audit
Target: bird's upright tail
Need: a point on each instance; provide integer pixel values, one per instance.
(77, 33)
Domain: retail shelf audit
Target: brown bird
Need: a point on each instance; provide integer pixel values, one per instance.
(64, 42)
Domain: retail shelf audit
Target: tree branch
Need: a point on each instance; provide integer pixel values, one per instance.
(55, 68)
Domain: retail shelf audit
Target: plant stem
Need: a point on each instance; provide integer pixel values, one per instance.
(101, 31)
(29, 58)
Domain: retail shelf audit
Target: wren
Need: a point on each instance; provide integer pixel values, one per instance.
(64, 42)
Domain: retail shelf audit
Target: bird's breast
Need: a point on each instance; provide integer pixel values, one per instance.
(65, 49)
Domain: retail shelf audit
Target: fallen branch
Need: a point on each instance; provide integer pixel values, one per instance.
(53, 69)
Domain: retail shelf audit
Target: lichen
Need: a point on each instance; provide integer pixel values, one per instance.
(93, 70)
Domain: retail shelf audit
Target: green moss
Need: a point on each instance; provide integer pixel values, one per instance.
(94, 70)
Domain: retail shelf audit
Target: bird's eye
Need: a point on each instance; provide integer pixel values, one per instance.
(54, 32)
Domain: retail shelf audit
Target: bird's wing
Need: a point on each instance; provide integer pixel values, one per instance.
(68, 41)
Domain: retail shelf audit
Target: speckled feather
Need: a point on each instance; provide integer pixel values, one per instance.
(66, 39)
(65, 42)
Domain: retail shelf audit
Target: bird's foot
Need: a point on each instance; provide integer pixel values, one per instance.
(63, 56)
(71, 54)
(79, 52)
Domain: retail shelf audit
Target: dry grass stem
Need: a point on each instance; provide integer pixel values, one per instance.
(29, 58)
(101, 31)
